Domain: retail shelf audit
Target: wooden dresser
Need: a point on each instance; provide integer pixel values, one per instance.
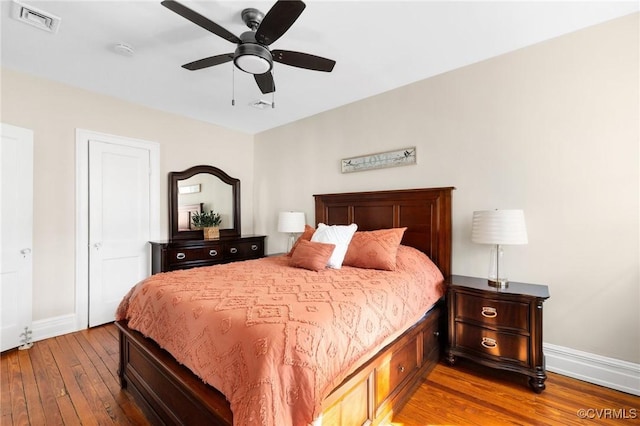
(499, 328)
(183, 254)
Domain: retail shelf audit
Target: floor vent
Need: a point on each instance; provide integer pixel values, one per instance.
(35, 17)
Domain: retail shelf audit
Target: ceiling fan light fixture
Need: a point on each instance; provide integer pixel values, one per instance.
(252, 54)
(253, 58)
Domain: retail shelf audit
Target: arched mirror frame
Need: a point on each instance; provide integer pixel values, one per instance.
(174, 177)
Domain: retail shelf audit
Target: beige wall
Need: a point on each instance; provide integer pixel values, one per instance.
(54, 111)
(552, 129)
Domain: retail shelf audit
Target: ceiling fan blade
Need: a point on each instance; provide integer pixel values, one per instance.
(265, 82)
(208, 62)
(200, 20)
(303, 60)
(278, 20)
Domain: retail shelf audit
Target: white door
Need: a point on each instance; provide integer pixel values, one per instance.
(16, 223)
(119, 225)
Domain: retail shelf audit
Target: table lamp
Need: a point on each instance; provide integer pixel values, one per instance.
(291, 223)
(498, 227)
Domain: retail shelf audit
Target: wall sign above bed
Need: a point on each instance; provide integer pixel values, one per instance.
(399, 157)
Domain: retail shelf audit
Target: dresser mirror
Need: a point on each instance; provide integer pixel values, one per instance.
(198, 189)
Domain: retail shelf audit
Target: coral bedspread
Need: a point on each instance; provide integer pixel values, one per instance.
(274, 339)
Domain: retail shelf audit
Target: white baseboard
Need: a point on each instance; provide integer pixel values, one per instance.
(612, 373)
(55, 326)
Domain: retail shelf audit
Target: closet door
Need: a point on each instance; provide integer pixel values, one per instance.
(119, 224)
(16, 223)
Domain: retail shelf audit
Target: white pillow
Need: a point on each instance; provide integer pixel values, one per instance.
(340, 235)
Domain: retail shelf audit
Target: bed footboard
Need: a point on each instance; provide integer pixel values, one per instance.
(169, 393)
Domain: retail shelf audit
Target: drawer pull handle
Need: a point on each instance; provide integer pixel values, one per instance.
(180, 256)
(401, 368)
(213, 253)
(233, 250)
(489, 312)
(254, 247)
(489, 343)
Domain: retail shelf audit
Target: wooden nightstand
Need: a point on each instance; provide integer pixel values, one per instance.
(499, 328)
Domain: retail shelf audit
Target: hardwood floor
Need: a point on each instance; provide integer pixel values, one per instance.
(469, 394)
(72, 380)
(67, 380)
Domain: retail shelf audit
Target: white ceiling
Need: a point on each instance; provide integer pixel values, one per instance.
(378, 46)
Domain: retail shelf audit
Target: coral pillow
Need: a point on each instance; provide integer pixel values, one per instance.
(306, 236)
(340, 235)
(312, 256)
(374, 249)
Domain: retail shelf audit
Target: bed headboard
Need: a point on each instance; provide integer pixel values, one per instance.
(425, 212)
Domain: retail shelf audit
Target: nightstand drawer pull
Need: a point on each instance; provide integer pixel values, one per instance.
(254, 247)
(489, 312)
(401, 368)
(180, 256)
(233, 250)
(213, 253)
(489, 343)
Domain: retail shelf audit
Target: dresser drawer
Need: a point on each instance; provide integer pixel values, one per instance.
(182, 255)
(506, 346)
(497, 313)
(244, 250)
(391, 374)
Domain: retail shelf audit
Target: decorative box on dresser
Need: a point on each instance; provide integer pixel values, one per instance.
(497, 327)
(183, 254)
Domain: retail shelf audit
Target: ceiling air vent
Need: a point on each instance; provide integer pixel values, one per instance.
(261, 104)
(35, 17)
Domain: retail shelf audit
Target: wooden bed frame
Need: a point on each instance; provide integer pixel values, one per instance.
(169, 393)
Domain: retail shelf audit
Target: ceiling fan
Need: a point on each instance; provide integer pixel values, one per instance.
(252, 55)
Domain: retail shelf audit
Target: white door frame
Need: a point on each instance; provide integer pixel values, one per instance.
(82, 208)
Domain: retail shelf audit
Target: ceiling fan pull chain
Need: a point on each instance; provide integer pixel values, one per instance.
(273, 93)
(233, 86)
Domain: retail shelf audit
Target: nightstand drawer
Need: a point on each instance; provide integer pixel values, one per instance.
(497, 327)
(506, 346)
(182, 255)
(497, 313)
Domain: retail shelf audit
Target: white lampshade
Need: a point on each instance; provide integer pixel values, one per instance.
(291, 222)
(499, 227)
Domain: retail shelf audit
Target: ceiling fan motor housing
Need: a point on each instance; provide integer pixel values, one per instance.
(252, 18)
(252, 57)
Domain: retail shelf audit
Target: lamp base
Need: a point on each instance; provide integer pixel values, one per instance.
(291, 241)
(498, 283)
(497, 272)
